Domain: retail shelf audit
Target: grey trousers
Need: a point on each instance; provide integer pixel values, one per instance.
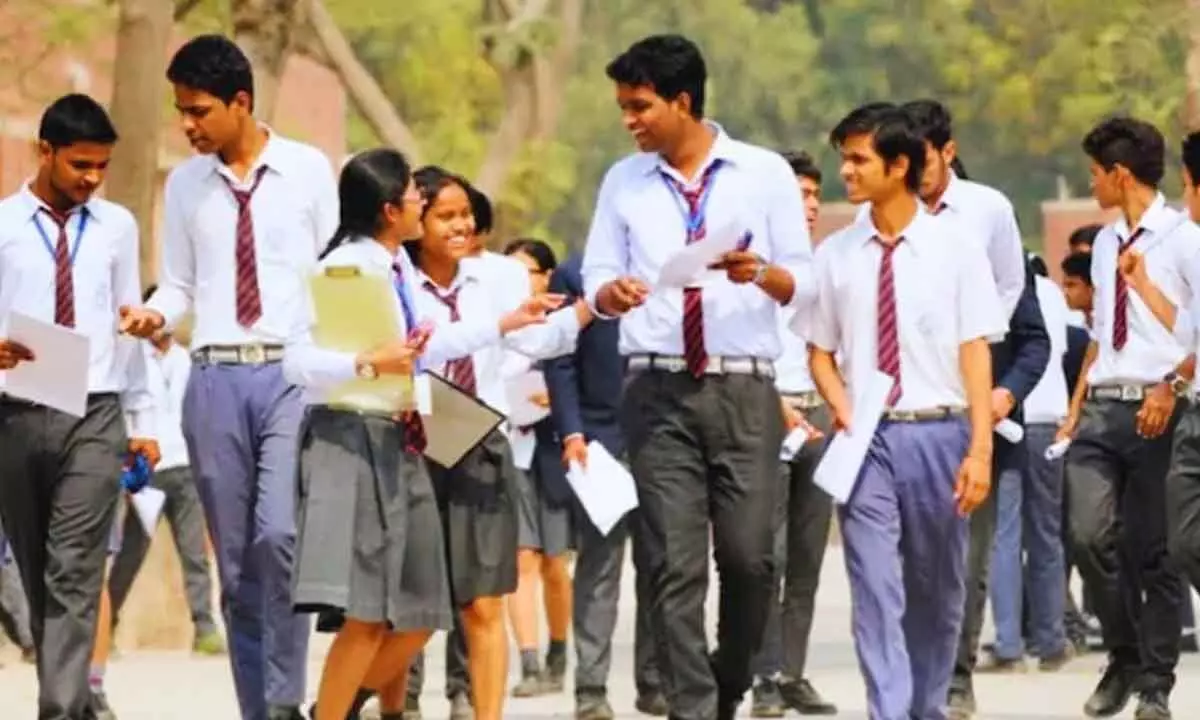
(186, 518)
(704, 454)
(597, 590)
(14, 608)
(1183, 498)
(458, 680)
(801, 535)
(59, 485)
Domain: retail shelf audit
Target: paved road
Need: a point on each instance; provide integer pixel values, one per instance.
(174, 686)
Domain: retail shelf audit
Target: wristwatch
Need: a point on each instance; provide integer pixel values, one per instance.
(1178, 383)
(366, 370)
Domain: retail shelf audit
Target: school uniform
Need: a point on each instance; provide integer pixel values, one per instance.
(700, 409)
(906, 312)
(1117, 479)
(74, 271)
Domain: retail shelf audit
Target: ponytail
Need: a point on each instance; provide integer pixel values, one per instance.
(340, 236)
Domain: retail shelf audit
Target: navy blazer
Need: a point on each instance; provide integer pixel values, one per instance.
(1078, 340)
(584, 387)
(1020, 359)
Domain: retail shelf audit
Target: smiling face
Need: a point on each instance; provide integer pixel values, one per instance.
(653, 121)
(448, 225)
(866, 175)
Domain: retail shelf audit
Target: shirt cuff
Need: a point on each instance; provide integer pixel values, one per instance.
(140, 424)
(170, 305)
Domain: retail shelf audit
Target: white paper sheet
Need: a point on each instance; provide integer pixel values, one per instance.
(1057, 450)
(689, 266)
(520, 388)
(794, 441)
(1010, 431)
(838, 470)
(58, 375)
(605, 488)
(524, 443)
(148, 504)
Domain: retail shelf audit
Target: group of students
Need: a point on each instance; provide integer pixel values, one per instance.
(323, 503)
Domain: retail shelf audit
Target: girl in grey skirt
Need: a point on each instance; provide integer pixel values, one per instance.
(370, 555)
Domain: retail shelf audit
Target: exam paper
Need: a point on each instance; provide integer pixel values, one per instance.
(1057, 450)
(604, 488)
(689, 266)
(838, 470)
(148, 504)
(1010, 431)
(58, 375)
(519, 389)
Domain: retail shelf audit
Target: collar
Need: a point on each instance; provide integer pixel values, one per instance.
(271, 158)
(911, 234)
(950, 196)
(35, 204)
(724, 149)
(469, 271)
(1153, 220)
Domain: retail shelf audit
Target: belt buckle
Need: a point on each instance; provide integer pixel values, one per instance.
(1131, 393)
(253, 354)
(902, 415)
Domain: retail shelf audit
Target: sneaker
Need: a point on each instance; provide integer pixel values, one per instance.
(593, 706)
(960, 704)
(766, 700)
(652, 703)
(802, 697)
(209, 644)
(531, 685)
(98, 708)
(993, 664)
(1054, 663)
(1152, 705)
(554, 676)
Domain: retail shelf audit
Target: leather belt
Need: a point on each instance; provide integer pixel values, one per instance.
(808, 400)
(1123, 393)
(717, 365)
(924, 415)
(253, 354)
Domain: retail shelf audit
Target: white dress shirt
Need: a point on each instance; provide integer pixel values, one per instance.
(944, 297)
(990, 214)
(484, 295)
(1170, 244)
(168, 375)
(640, 223)
(295, 212)
(320, 370)
(1049, 399)
(792, 376)
(105, 274)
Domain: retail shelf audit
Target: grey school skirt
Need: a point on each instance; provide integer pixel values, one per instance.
(478, 499)
(369, 534)
(544, 526)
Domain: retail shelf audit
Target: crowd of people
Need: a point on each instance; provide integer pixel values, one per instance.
(323, 503)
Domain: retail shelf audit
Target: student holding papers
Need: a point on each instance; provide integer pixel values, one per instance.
(928, 464)
(383, 576)
(68, 260)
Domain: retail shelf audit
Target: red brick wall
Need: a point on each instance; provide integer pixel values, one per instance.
(1059, 219)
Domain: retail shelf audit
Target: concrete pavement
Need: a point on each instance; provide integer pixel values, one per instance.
(175, 686)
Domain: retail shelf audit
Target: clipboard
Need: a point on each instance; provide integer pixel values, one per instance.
(355, 312)
(458, 423)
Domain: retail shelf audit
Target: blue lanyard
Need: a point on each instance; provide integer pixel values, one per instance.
(83, 218)
(404, 292)
(693, 221)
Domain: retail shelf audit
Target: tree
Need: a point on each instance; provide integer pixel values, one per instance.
(143, 31)
(1192, 119)
(263, 30)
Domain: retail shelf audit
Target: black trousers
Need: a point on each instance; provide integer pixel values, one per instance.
(58, 496)
(1119, 526)
(705, 455)
(1183, 498)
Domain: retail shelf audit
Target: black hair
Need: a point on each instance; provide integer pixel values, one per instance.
(1084, 235)
(1078, 265)
(1191, 156)
(213, 64)
(892, 135)
(802, 165)
(369, 180)
(430, 181)
(149, 292)
(959, 169)
(76, 118)
(670, 64)
(1134, 144)
(541, 253)
(1037, 265)
(931, 120)
(481, 207)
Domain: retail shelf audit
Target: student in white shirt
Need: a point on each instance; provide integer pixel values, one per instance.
(701, 410)
(69, 258)
(804, 516)
(1123, 416)
(245, 218)
(907, 294)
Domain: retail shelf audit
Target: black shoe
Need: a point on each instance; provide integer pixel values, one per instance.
(593, 705)
(802, 697)
(284, 712)
(98, 708)
(652, 703)
(1112, 693)
(1187, 643)
(766, 701)
(1152, 705)
(960, 703)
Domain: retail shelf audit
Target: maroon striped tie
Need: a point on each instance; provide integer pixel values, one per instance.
(887, 329)
(694, 353)
(1121, 301)
(460, 371)
(64, 280)
(249, 299)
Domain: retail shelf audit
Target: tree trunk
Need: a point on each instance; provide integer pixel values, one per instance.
(332, 49)
(1191, 119)
(143, 32)
(263, 30)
